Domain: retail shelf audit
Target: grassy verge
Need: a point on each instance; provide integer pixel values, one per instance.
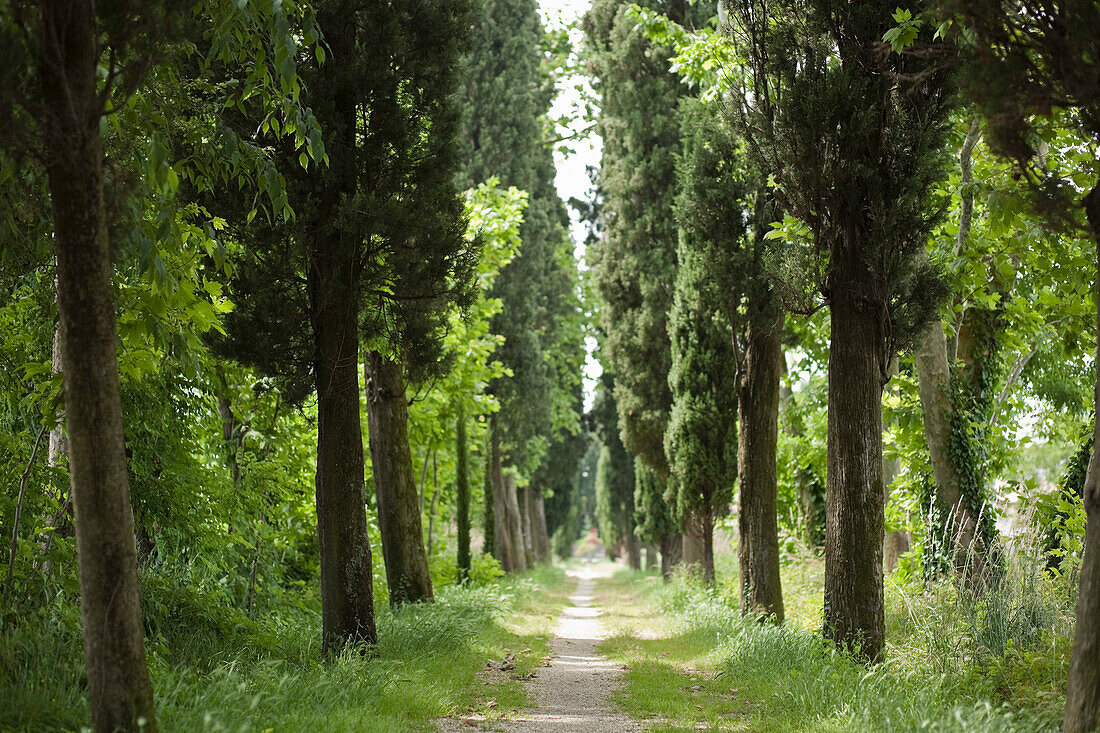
(214, 670)
(953, 664)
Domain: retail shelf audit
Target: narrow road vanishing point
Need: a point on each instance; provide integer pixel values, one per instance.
(572, 693)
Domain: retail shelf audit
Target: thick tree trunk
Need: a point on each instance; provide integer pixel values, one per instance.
(692, 545)
(525, 509)
(395, 483)
(462, 489)
(633, 552)
(504, 548)
(758, 423)
(515, 521)
(706, 519)
(119, 691)
(1083, 693)
(854, 615)
(540, 537)
(672, 554)
(347, 593)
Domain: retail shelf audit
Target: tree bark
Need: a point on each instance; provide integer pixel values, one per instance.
(633, 552)
(119, 691)
(503, 546)
(395, 483)
(706, 519)
(488, 491)
(462, 489)
(672, 554)
(650, 557)
(1082, 712)
(347, 593)
(692, 546)
(514, 521)
(525, 509)
(934, 386)
(758, 423)
(540, 536)
(854, 519)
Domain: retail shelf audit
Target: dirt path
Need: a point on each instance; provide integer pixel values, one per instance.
(572, 693)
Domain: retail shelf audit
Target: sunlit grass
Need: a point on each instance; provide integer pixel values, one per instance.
(953, 663)
(210, 675)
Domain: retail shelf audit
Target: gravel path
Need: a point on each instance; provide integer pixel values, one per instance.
(572, 693)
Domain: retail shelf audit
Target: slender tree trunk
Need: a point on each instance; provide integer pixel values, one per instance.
(896, 541)
(650, 557)
(514, 521)
(758, 422)
(692, 545)
(119, 691)
(1083, 693)
(525, 509)
(395, 483)
(633, 552)
(854, 615)
(934, 386)
(462, 489)
(488, 491)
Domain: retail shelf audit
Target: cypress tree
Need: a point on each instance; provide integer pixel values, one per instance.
(635, 262)
(507, 97)
(614, 477)
(701, 438)
(856, 149)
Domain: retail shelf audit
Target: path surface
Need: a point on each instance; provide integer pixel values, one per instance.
(572, 693)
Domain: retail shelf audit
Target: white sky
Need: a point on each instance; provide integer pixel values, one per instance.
(572, 176)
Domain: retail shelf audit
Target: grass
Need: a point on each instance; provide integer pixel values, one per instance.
(214, 670)
(954, 662)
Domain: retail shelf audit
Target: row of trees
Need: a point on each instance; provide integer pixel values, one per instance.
(813, 174)
(306, 161)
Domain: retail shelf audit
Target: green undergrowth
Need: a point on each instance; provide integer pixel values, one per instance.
(954, 662)
(214, 669)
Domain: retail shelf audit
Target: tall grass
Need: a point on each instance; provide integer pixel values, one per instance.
(216, 670)
(988, 659)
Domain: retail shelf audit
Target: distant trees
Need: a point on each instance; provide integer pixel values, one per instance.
(507, 97)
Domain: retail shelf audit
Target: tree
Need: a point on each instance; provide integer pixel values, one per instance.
(855, 148)
(701, 437)
(1021, 60)
(614, 478)
(507, 98)
(68, 113)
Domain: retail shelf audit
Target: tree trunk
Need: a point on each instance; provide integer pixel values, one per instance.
(347, 593)
(540, 537)
(706, 519)
(525, 509)
(514, 521)
(854, 519)
(119, 691)
(395, 483)
(488, 492)
(650, 557)
(692, 545)
(1083, 693)
(934, 386)
(758, 423)
(633, 552)
(672, 554)
(462, 489)
(505, 548)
